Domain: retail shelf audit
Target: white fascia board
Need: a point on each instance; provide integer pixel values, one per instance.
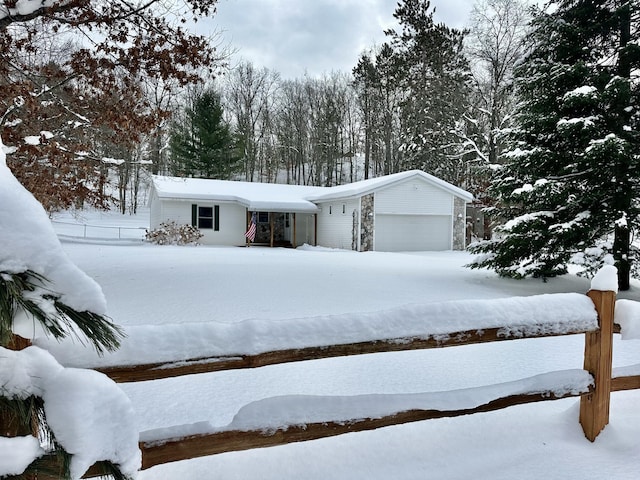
(365, 187)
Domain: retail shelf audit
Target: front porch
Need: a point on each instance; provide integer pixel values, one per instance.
(282, 229)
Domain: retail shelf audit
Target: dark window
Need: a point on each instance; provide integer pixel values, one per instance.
(205, 217)
(263, 217)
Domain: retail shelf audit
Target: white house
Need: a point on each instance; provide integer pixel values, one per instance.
(407, 211)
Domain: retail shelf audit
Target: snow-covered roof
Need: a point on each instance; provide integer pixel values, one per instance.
(365, 187)
(281, 197)
(255, 196)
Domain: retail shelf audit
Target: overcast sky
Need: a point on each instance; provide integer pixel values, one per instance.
(314, 36)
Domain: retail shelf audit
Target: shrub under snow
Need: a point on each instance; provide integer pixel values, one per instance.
(170, 233)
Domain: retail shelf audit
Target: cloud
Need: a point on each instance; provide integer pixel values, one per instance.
(319, 36)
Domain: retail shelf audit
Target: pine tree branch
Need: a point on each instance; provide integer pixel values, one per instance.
(26, 292)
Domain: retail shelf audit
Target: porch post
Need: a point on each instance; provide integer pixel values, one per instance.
(315, 229)
(271, 225)
(295, 244)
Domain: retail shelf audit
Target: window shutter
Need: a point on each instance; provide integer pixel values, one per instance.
(216, 218)
(194, 215)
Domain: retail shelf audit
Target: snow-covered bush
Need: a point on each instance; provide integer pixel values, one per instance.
(170, 233)
(592, 259)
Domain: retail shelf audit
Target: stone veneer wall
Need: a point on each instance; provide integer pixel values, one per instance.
(459, 223)
(366, 222)
(354, 230)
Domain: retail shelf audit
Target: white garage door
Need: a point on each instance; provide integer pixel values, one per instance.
(403, 233)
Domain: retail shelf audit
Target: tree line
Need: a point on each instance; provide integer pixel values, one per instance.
(88, 117)
(533, 110)
(430, 97)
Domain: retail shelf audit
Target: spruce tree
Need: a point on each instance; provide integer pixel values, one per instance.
(572, 174)
(435, 76)
(204, 146)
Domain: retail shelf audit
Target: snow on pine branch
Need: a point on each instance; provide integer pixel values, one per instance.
(89, 415)
(17, 453)
(528, 188)
(582, 122)
(29, 243)
(579, 218)
(526, 218)
(584, 91)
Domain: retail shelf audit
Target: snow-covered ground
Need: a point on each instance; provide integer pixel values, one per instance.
(147, 284)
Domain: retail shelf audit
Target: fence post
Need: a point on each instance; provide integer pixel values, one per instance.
(594, 407)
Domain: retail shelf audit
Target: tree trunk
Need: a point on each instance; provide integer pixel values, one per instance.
(622, 243)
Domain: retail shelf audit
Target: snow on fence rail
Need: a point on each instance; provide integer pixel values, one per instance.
(281, 420)
(294, 419)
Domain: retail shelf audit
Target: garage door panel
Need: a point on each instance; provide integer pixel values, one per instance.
(398, 233)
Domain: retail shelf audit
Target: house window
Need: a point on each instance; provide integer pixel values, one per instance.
(344, 209)
(329, 209)
(263, 217)
(206, 217)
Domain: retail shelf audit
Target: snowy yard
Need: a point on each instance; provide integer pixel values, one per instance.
(147, 284)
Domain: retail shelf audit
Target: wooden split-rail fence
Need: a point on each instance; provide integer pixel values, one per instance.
(594, 399)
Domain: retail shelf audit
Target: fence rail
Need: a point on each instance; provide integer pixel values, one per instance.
(594, 389)
(157, 452)
(158, 371)
(594, 409)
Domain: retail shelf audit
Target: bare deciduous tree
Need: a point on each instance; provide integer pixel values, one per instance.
(249, 97)
(495, 44)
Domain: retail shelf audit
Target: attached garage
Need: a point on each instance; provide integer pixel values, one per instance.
(407, 211)
(412, 233)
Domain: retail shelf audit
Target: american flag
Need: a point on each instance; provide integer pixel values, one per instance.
(251, 233)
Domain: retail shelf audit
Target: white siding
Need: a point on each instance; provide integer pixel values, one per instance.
(415, 197)
(233, 218)
(405, 233)
(155, 211)
(233, 225)
(335, 223)
(176, 211)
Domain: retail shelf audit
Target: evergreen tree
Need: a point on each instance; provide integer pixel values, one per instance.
(435, 76)
(203, 145)
(39, 284)
(572, 176)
